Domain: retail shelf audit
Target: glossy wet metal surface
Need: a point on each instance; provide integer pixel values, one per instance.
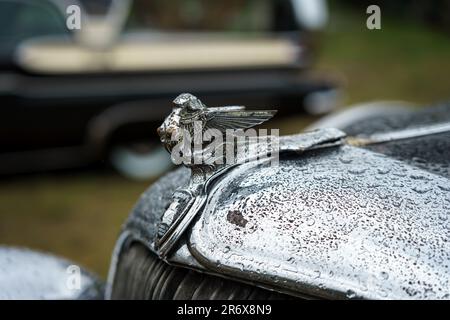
(332, 220)
(345, 222)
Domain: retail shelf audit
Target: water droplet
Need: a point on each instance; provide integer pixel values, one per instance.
(399, 174)
(416, 176)
(383, 293)
(383, 170)
(372, 185)
(363, 203)
(382, 196)
(421, 189)
(357, 170)
(350, 294)
(397, 202)
(345, 159)
(370, 213)
(320, 177)
(384, 275)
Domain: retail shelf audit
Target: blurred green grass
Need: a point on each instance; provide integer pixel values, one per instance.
(402, 61)
(78, 215)
(75, 215)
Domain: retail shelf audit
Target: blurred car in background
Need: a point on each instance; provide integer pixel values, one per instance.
(74, 97)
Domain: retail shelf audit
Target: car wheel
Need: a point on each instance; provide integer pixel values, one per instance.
(140, 161)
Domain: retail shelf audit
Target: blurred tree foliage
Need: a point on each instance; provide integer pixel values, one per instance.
(435, 13)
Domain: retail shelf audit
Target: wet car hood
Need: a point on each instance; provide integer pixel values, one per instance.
(337, 222)
(342, 222)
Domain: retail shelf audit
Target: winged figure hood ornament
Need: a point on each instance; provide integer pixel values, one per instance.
(189, 110)
(188, 116)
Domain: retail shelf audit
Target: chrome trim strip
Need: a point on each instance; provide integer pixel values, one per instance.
(399, 135)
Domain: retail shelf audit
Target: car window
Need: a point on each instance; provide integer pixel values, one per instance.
(202, 15)
(20, 20)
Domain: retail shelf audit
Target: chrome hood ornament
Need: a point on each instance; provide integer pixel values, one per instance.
(188, 115)
(189, 110)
